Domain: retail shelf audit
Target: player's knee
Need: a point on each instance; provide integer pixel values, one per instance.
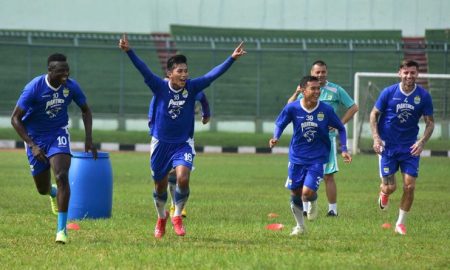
(390, 189)
(62, 176)
(183, 180)
(328, 178)
(309, 194)
(409, 188)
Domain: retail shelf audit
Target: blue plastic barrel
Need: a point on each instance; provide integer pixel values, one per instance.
(91, 186)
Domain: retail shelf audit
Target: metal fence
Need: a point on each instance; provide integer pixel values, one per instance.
(255, 88)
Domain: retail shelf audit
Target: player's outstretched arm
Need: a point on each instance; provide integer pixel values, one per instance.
(124, 45)
(239, 51)
(206, 80)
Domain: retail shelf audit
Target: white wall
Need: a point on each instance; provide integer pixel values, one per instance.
(145, 16)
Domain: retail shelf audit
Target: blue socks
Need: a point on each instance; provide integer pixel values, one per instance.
(62, 221)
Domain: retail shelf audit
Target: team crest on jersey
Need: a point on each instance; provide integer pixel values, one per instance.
(386, 169)
(185, 93)
(416, 100)
(320, 116)
(66, 92)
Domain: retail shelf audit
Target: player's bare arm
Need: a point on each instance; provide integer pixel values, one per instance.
(347, 157)
(16, 122)
(239, 51)
(349, 114)
(295, 95)
(87, 121)
(273, 142)
(417, 148)
(205, 120)
(377, 143)
(124, 44)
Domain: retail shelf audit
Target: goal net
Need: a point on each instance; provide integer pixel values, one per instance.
(367, 88)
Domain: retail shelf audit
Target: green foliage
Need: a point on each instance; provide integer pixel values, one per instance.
(231, 196)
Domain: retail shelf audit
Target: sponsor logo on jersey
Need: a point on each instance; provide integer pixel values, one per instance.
(309, 128)
(175, 107)
(404, 106)
(308, 125)
(54, 102)
(403, 111)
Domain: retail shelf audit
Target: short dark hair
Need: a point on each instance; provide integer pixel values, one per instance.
(319, 63)
(304, 81)
(58, 57)
(175, 60)
(409, 63)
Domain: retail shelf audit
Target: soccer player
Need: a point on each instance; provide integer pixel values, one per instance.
(206, 115)
(394, 123)
(335, 96)
(309, 149)
(40, 118)
(172, 146)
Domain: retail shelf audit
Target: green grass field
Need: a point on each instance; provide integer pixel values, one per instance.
(231, 196)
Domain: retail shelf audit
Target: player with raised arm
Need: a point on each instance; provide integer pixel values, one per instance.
(394, 123)
(309, 149)
(172, 146)
(41, 120)
(206, 116)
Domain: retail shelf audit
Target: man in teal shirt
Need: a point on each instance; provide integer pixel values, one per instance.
(335, 96)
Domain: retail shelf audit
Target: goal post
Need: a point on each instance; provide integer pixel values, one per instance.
(368, 85)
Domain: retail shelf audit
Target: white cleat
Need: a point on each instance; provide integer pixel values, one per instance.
(313, 210)
(297, 230)
(400, 229)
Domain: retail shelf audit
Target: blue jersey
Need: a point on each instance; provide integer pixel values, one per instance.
(310, 143)
(46, 107)
(201, 97)
(174, 109)
(400, 114)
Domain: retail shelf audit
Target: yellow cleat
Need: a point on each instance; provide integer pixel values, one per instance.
(61, 237)
(54, 204)
(172, 210)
